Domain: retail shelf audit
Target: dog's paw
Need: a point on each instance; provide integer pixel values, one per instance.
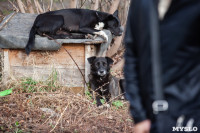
(101, 107)
(89, 36)
(107, 105)
(102, 34)
(104, 106)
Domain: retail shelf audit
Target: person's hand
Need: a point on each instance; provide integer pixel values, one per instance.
(143, 127)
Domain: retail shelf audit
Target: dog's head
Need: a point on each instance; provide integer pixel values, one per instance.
(114, 25)
(100, 65)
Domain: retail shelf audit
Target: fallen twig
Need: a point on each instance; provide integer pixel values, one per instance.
(60, 117)
(7, 20)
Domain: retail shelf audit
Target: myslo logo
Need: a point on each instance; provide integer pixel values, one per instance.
(185, 129)
(188, 128)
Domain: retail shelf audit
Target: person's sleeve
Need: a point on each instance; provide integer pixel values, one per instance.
(131, 76)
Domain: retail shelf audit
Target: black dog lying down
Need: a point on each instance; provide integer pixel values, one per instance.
(73, 21)
(101, 81)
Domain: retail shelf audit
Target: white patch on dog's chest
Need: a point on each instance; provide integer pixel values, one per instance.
(99, 26)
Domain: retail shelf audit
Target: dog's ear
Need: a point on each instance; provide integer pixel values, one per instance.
(109, 60)
(91, 59)
(115, 13)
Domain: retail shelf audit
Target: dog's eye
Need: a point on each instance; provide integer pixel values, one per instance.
(115, 25)
(104, 64)
(97, 64)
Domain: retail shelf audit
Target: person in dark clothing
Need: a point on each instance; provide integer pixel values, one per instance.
(180, 63)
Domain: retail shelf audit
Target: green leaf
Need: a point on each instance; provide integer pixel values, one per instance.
(117, 104)
(5, 92)
(17, 123)
(102, 101)
(94, 102)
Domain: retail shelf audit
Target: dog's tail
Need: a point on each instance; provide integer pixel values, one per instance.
(31, 40)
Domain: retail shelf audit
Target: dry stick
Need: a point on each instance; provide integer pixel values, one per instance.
(24, 6)
(60, 117)
(114, 6)
(51, 5)
(61, 1)
(115, 97)
(82, 4)
(70, 57)
(95, 4)
(46, 120)
(17, 9)
(20, 4)
(36, 7)
(39, 7)
(43, 6)
(4, 24)
(103, 4)
(29, 5)
(85, 115)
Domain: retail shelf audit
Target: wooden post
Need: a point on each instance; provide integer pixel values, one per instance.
(6, 66)
(90, 50)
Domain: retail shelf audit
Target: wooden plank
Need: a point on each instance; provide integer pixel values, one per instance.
(39, 65)
(53, 58)
(66, 76)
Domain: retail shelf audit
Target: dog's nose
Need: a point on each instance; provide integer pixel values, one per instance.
(101, 71)
(120, 33)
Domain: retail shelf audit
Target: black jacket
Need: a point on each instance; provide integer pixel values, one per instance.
(180, 58)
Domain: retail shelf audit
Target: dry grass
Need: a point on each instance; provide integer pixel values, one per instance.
(55, 110)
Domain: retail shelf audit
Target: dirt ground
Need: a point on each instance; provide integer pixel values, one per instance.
(60, 112)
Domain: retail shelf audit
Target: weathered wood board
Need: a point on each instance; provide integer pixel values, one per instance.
(39, 65)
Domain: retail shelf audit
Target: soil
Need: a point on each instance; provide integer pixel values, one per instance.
(61, 112)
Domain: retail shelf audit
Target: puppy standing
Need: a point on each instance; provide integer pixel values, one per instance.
(101, 81)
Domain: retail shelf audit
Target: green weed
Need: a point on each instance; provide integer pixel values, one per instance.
(102, 101)
(88, 94)
(52, 80)
(17, 128)
(118, 104)
(29, 85)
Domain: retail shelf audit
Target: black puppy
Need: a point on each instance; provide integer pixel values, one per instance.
(74, 21)
(101, 81)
